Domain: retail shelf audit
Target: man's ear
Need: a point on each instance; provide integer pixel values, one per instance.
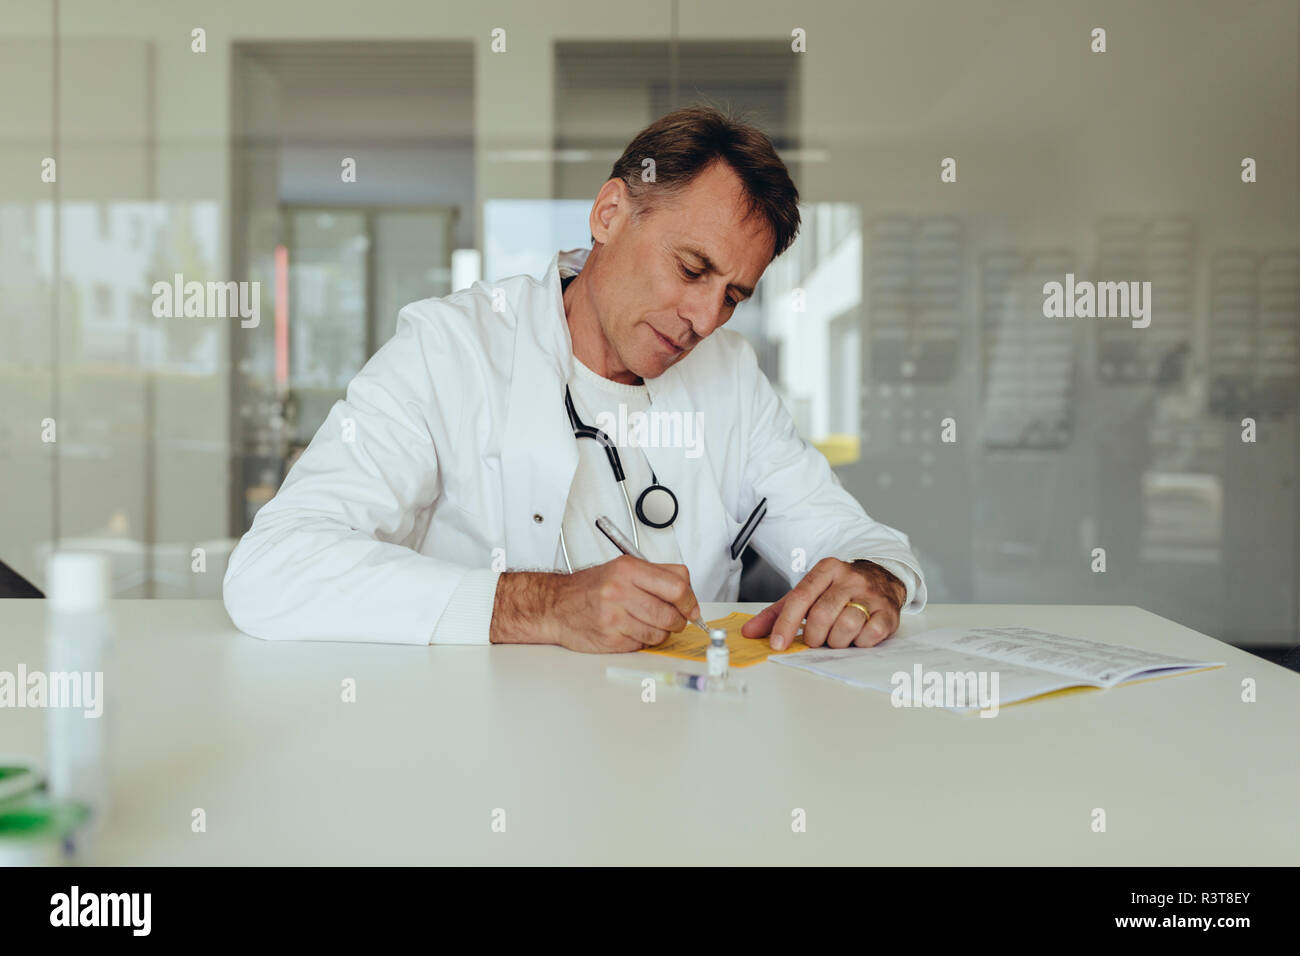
(612, 200)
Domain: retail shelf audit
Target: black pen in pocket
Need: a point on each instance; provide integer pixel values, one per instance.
(747, 530)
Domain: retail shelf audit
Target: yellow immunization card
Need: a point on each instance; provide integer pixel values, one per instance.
(692, 643)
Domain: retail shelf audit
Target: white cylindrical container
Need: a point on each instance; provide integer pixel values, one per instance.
(79, 651)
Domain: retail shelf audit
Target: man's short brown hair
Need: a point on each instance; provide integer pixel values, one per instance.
(688, 141)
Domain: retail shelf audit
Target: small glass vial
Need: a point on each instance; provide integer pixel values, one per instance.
(718, 656)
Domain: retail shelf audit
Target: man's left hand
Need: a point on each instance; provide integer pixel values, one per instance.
(823, 597)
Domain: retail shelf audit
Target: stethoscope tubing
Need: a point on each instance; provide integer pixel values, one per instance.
(581, 430)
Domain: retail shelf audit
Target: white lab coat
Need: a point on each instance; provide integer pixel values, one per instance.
(453, 443)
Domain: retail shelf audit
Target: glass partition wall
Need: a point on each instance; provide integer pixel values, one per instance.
(956, 162)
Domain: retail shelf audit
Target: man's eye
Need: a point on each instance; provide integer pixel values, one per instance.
(731, 304)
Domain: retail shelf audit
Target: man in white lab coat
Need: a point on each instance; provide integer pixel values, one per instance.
(447, 497)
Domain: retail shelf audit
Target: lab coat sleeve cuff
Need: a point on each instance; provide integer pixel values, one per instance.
(905, 574)
(467, 619)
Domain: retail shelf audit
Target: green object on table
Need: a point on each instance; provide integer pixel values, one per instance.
(34, 830)
(39, 819)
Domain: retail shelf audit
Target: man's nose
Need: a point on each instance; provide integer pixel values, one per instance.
(705, 313)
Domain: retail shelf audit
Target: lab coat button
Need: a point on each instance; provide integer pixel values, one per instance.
(538, 518)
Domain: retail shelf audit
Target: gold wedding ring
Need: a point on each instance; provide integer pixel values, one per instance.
(864, 610)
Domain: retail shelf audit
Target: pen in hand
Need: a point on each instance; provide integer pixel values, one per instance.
(609, 530)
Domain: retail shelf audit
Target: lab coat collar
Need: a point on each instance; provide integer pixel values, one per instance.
(568, 263)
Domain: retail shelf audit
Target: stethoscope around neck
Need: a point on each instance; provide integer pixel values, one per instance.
(656, 507)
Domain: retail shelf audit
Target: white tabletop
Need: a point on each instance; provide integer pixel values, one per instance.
(257, 735)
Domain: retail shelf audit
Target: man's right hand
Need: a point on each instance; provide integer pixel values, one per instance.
(623, 605)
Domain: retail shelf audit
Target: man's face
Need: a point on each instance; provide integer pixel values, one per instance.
(665, 282)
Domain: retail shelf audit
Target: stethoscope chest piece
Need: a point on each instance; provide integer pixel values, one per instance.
(657, 506)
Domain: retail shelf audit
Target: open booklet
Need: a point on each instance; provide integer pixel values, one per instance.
(983, 668)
